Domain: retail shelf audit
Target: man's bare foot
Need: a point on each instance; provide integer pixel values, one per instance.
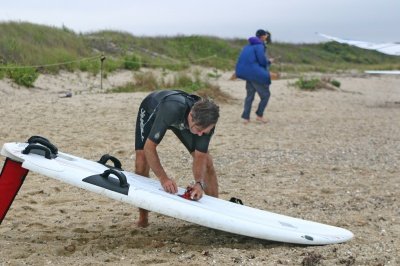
(261, 119)
(246, 121)
(143, 218)
(142, 223)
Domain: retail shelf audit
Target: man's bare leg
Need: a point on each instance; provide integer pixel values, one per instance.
(142, 168)
(143, 220)
(211, 179)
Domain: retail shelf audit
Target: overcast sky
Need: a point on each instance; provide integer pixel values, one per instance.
(294, 21)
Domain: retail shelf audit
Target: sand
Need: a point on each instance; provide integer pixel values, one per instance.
(328, 156)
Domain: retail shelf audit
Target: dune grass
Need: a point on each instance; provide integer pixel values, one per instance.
(49, 49)
(192, 83)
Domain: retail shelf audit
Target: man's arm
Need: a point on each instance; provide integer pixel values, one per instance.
(261, 56)
(150, 151)
(199, 172)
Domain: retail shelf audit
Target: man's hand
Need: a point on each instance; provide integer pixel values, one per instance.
(197, 192)
(169, 185)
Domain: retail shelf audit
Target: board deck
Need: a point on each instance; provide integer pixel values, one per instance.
(148, 194)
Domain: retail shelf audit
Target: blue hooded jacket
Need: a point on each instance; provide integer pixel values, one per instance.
(253, 64)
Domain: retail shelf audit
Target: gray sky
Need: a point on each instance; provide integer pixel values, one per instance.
(294, 21)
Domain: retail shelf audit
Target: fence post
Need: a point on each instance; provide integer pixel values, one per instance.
(102, 58)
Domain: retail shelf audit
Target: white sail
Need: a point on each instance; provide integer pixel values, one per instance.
(386, 48)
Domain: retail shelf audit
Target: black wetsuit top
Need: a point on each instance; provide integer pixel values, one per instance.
(168, 109)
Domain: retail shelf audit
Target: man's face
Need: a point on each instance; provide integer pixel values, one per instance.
(195, 129)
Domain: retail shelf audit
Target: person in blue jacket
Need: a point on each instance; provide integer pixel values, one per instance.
(253, 66)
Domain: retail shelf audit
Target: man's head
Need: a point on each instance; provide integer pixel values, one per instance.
(204, 115)
(264, 35)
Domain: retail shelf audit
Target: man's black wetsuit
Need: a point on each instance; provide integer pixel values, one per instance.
(168, 109)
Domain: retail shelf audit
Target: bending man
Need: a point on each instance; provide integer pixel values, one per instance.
(192, 119)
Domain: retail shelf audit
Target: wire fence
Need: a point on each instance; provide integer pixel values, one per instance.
(29, 73)
(101, 57)
(53, 64)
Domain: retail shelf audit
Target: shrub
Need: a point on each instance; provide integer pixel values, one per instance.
(315, 84)
(335, 83)
(148, 81)
(132, 62)
(307, 84)
(111, 65)
(142, 82)
(23, 76)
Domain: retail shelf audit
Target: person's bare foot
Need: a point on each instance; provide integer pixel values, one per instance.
(143, 223)
(246, 121)
(261, 119)
(143, 218)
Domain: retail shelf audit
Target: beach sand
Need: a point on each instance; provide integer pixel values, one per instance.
(327, 156)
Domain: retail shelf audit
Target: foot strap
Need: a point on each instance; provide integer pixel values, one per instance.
(236, 200)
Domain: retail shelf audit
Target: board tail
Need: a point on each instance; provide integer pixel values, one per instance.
(12, 177)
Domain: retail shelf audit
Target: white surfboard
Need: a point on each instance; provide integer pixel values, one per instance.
(148, 194)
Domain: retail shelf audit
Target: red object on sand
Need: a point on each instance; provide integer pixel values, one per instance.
(187, 194)
(11, 178)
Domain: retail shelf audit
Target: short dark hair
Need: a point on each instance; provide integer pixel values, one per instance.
(260, 33)
(205, 112)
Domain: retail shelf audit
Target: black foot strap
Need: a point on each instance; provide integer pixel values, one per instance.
(236, 200)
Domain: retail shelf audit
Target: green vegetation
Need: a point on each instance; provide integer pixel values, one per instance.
(23, 76)
(191, 83)
(175, 53)
(312, 84)
(335, 83)
(44, 49)
(132, 62)
(34, 45)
